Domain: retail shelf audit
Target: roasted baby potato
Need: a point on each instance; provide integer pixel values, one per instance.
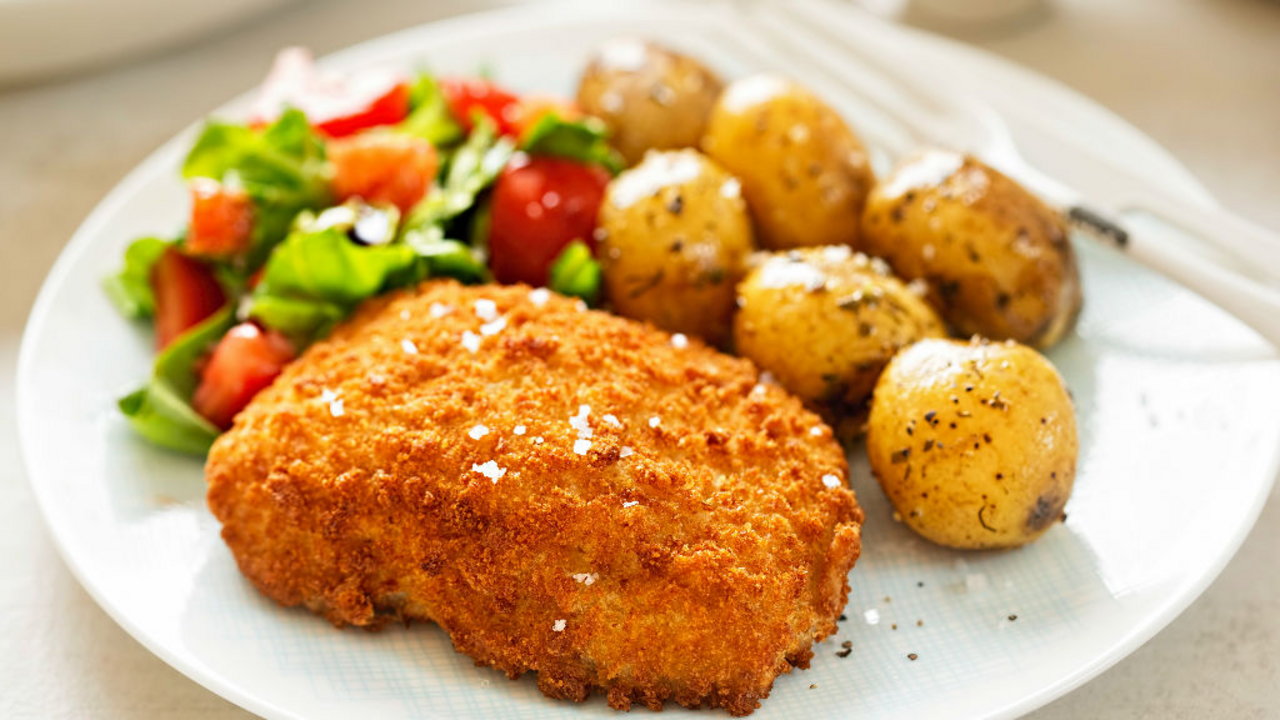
(997, 260)
(804, 172)
(974, 442)
(825, 321)
(673, 237)
(649, 96)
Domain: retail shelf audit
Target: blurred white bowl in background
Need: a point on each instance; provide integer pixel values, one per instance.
(41, 38)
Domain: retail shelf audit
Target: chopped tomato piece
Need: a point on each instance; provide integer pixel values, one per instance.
(221, 219)
(532, 108)
(383, 168)
(186, 293)
(466, 95)
(335, 105)
(540, 205)
(243, 362)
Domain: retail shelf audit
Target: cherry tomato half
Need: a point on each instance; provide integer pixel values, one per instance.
(540, 205)
(466, 95)
(243, 362)
(186, 292)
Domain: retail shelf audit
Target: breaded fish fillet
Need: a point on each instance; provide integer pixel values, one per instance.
(563, 491)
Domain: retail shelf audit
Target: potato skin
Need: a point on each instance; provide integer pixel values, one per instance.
(974, 442)
(997, 260)
(649, 96)
(825, 321)
(804, 172)
(673, 236)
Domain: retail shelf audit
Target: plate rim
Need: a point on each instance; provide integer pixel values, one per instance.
(1182, 181)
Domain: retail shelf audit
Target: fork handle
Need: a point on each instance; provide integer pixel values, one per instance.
(1253, 303)
(1251, 243)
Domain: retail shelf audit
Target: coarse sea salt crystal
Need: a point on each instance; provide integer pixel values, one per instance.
(581, 446)
(493, 328)
(439, 310)
(655, 421)
(558, 626)
(579, 422)
(537, 440)
(816, 430)
(489, 469)
(408, 346)
(872, 616)
(612, 420)
(830, 480)
(519, 429)
(470, 341)
(626, 451)
(336, 407)
(679, 341)
(478, 432)
(539, 296)
(630, 503)
(586, 578)
(486, 309)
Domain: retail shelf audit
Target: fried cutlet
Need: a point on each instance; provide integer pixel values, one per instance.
(563, 491)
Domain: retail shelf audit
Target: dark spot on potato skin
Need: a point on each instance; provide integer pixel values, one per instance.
(983, 521)
(1047, 510)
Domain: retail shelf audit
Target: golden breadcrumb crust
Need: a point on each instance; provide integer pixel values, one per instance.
(580, 496)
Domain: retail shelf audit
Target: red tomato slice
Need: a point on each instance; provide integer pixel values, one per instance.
(388, 109)
(383, 168)
(243, 362)
(186, 292)
(221, 219)
(337, 106)
(466, 95)
(540, 205)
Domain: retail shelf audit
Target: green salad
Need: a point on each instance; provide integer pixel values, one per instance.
(337, 190)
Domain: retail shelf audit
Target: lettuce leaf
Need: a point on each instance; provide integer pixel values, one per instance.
(576, 273)
(303, 320)
(130, 288)
(473, 168)
(282, 168)
(314, 279)
(161, 410)
(585, 140)
(429, 117)
(327, 265)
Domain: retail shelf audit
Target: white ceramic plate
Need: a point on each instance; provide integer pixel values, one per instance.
(1177, 409)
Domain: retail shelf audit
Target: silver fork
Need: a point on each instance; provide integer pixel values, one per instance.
(830, 48)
